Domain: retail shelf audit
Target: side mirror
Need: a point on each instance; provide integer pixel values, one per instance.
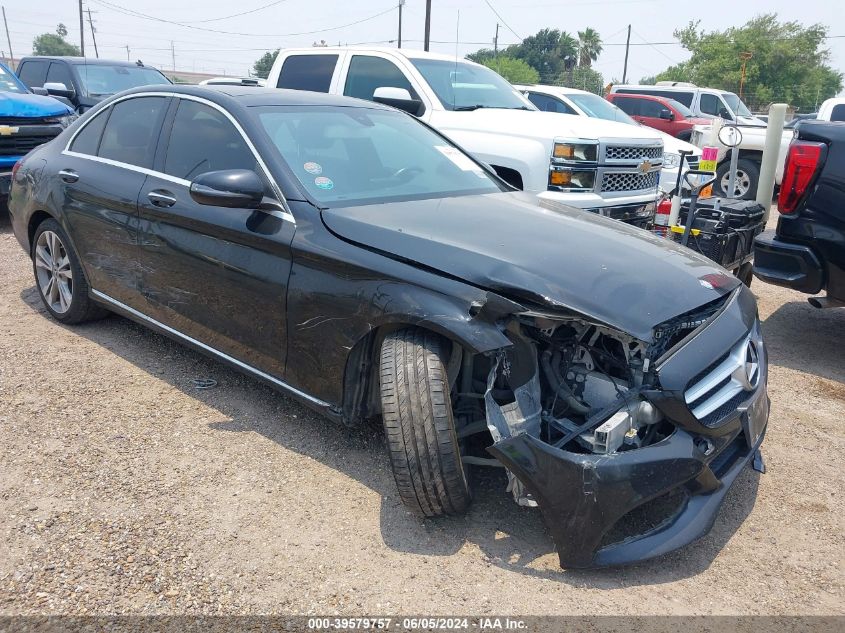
(667, 115)
(58, 89)
(231, 188)
(398, 98)
(723, 113)
(39, 90)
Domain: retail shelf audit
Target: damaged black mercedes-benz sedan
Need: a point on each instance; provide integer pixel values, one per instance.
(352, 257)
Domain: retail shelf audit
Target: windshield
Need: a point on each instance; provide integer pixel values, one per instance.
(8, 83)
(346, 156)
(595, 106)
(738, 107)
(99, 80)
(462, 86)
(680, 107)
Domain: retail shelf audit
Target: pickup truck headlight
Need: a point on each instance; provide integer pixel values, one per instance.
(576, 152)
(64, 121)
(572, 179)
(671, 161)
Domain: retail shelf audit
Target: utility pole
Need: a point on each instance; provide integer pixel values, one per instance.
(93, 36)
(427, 24)
(745, 56)
(81, 31)
(627, 46)
(496, 47)
(8, 39)
(401, 3)
(127, 52)
(173, 56)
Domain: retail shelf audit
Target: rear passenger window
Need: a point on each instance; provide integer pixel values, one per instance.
(131, 133)
(627, 105)
(33, 73)
(202, 140)
(88, 139)
(367, 73)
(307, 72)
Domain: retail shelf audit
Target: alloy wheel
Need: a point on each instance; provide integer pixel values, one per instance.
(741, 185)
(53, 272)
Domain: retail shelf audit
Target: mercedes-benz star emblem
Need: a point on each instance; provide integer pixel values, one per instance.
(748, 374)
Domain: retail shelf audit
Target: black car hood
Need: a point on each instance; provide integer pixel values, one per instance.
(544, 255)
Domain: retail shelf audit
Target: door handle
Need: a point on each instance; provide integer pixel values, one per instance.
(68, 175)
(161, 198)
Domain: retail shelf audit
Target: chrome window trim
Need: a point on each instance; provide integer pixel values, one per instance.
(286, 214)
(257, 372)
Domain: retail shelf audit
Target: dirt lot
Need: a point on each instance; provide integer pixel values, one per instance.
(124, 489)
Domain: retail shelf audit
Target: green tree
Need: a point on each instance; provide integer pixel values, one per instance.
(583, 78)
(589, 46)
(515, 71)
(54, 43)
(789, 62)
(264, 63)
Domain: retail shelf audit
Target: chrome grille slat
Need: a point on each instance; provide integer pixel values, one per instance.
(724, 382)
(629, 181)
(633, 152)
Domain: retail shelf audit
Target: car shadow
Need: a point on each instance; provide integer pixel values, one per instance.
(508, 536)
(801, 337)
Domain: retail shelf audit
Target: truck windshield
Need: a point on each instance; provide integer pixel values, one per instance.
(8, 82)
(345, 156)
(596, 107)
(462, 86)
(101, 80)
(735, 104)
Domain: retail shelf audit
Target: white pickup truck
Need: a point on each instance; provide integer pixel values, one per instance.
(601, 166)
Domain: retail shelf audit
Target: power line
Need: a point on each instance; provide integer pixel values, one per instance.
(144, 16)
(237, 15)
(503, 20)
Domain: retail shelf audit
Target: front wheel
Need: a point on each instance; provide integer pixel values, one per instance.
(417, 414)
(59, 277)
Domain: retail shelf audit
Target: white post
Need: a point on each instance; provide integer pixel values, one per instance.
(771, 153)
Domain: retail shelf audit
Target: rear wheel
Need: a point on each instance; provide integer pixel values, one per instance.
(418, 420)
(59, 277)
(745, 185)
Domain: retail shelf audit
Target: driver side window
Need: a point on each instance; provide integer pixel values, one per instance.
(710, 104)
(366, 73)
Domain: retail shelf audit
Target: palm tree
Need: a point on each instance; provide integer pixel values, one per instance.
(567, 49)
(589, 46)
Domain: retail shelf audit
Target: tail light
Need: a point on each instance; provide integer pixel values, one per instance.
(802, 162)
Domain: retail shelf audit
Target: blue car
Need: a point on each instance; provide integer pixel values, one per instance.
(27, 120)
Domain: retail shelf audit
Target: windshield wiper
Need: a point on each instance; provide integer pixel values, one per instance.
(469, 108)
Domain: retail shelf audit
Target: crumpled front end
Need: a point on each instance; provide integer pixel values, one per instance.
(628, 447)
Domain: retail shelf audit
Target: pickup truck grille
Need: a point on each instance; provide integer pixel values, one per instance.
(18, 145)
(633, 153)
(628, 181)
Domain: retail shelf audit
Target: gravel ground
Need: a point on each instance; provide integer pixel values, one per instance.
(126, 490)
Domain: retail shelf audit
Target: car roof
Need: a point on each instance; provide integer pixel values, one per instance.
(87, 61)
(250, 96)
(408, 53)
(633, 95)
(559, 90)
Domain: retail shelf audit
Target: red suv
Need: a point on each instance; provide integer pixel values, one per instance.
(666, 115)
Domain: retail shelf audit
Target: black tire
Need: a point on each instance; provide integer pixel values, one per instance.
(80, 307)
(747, 172)
(417, 415)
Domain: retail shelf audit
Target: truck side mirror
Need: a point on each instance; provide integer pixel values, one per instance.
(398, 98)
(723, 113)
(667, 115)
(58, 89)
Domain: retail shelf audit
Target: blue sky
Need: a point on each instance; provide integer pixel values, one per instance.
(198, 47)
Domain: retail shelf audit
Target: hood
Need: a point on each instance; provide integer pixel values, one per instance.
(674, 145)
(13, 104)
(549, 257)
(537, 124)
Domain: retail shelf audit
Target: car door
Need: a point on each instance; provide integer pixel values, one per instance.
(99, 177)
(364, 73)
(649, 114)
(217, 275)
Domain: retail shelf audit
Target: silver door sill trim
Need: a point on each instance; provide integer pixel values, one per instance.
(193, 341)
